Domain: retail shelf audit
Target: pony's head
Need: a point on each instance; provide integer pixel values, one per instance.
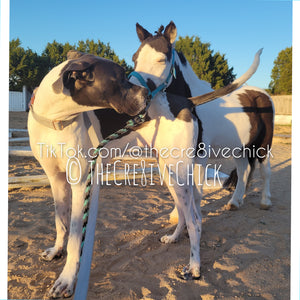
(153, 59)
(156, 63)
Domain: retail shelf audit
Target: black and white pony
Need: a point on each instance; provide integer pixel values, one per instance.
(241, 121)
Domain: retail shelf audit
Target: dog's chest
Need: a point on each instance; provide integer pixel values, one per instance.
(110, 121)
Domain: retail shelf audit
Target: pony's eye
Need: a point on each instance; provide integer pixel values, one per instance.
(161, 60)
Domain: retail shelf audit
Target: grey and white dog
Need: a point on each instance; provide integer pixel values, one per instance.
(60, 121)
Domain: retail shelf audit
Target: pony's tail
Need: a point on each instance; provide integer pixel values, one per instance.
(231, 182)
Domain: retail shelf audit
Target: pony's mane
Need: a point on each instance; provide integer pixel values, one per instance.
(160, 30)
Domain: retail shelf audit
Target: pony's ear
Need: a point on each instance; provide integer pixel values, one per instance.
(171, 32)
(142, 32)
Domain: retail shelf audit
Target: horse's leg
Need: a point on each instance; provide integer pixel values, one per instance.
(198, 176)
(243, 170)
(182, 191)
(177, 215)
(265, 170)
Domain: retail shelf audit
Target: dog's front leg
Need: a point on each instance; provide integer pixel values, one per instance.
(64, 285)
(61, 191)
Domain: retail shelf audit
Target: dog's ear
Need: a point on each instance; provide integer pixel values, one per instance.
(142, 32)
(170, 32)
(76, 74)
(73, 54)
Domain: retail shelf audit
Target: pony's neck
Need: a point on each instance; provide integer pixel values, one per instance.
(187, 83)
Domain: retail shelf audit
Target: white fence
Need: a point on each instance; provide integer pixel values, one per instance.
(283, 109)
(283, 104)
(18, 101)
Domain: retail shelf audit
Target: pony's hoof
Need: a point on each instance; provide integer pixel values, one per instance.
(265, 206)
(231, 206)
(188, 274)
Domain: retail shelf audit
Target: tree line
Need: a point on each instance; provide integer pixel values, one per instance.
(281, 75)
(28, 68)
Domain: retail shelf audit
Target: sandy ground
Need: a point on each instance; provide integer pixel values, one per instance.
(245, 254)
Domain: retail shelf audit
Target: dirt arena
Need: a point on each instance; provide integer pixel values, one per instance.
(245, 254)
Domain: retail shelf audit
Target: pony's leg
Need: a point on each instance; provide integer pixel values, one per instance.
(177, 214)
(61, 192)
(182, 192)
(194, 227)
(265, 170)
(243, 170)
(198, 176)
(179, 217)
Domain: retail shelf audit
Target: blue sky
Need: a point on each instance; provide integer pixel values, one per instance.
(236, 28)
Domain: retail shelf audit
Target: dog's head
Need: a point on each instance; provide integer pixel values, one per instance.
(97, 82)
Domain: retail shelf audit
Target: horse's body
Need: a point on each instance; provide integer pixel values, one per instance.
(241, 120)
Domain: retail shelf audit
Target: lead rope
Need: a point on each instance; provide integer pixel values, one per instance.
(130, 125)
(136, 121)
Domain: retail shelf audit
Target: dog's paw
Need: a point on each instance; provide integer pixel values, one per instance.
(168, 239)
(189, 273)
(51, 253)
(63, 287)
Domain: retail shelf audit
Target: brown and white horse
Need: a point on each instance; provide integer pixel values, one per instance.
(240, 123)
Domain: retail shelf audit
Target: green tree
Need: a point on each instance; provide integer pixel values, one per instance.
(103, 50)
(25, 67)
(281, 75)
(207, 65)
(28, 68)
(55, 53)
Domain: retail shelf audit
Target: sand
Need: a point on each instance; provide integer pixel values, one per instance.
(245, 254)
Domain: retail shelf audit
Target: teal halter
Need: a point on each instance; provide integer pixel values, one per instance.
(161, 87)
